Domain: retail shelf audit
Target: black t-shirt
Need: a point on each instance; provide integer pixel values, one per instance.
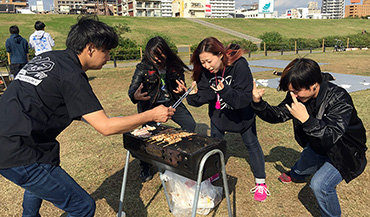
(49, 93)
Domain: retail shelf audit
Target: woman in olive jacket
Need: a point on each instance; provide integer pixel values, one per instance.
(159, 80)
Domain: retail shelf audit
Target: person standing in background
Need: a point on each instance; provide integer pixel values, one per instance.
(17, 49)
(40, 40)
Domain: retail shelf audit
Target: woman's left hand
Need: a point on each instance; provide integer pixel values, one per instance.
(181, 87)
(219, 87)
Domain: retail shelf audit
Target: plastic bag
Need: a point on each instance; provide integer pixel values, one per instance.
(182, 191)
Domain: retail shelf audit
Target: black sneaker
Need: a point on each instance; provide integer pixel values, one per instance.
(145, 174)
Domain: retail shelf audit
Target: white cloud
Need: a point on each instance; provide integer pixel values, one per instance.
(291, 4)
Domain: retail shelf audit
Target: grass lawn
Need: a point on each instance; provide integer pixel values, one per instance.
(183, 31)
(96, 162)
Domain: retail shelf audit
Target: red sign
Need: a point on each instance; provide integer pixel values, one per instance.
(355, 1)
(208, 8)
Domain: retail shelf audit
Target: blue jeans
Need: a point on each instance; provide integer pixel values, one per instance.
(51, 183)
(256, 157)
(323, 183)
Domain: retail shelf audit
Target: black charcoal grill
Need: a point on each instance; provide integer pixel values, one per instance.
(196, 157)
(182, 157)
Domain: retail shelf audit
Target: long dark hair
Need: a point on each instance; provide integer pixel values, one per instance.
(300, 73)
(155, 48)
(212, 45)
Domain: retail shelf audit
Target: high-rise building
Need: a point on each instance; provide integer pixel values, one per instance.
(166, 8)
(222, 8)
(333, 7)
(40, 6)
(139, 8)
(98, 7)
(356, 10)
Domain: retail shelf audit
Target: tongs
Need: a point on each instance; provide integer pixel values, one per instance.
(177, 103)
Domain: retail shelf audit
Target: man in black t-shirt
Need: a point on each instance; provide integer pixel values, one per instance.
(49, 93)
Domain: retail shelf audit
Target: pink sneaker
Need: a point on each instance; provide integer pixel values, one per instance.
(260, 192)
(215, 177)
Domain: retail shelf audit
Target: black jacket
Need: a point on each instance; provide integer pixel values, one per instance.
(236, 113)
(148, 75)
(333, 128)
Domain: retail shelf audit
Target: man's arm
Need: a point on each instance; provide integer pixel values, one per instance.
(116, 125)
(51, 40)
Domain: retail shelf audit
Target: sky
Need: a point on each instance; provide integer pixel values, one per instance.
(280, 5)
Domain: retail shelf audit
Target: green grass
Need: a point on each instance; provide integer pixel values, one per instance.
(96, 162)
(295, 28)
(183, 31)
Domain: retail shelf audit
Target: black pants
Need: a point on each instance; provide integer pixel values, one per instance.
(256, 156)
(15, 68)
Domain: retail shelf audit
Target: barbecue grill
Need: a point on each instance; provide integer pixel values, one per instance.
(196, 157)
(182, 157)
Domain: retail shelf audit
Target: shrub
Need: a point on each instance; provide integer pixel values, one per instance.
(303, 43)
(126, 53)
(359, 40)
(193, 47)
(3, 55)
(127, 49)
(273, 40)
(245, 44)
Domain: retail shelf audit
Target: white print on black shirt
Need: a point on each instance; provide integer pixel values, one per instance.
(227, 80)
(35, 70)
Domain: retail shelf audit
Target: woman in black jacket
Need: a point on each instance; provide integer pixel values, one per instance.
(326, 125)
(225, 83)
(159, 80)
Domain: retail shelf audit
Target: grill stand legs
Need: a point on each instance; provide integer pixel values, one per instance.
(197, 191)
(165, 191)
(123, 187)
(199, 181)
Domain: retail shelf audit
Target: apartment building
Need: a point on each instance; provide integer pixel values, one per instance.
(197, 8)
(166, 7)
(140, 8)
(107, 7)
(175, 8)
(355, 10)
(122, 8)
(188, 8)
(222, 8)
(11, 6)
(333, 7)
